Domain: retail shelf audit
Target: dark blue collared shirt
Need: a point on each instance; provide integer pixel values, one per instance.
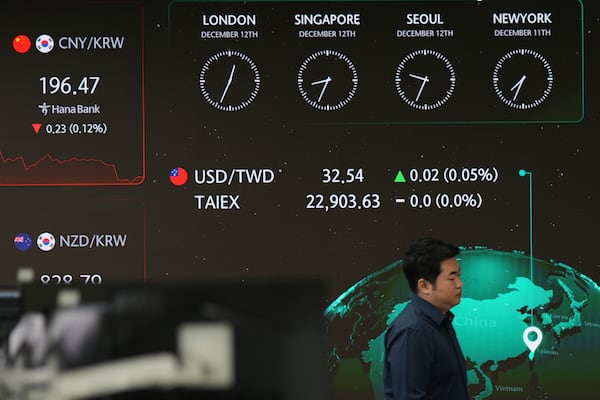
(423, 359)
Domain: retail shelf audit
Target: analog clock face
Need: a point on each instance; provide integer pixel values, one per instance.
(327, 80)
(522, 79)
(425, 79)
(229, 80)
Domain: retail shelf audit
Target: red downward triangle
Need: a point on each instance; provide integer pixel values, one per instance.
(36, 127)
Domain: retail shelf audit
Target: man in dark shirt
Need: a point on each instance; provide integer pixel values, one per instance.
(423, 359)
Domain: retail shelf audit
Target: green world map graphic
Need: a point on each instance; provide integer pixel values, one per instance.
(501, 293)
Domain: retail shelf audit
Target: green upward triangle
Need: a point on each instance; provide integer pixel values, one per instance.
(399, 177)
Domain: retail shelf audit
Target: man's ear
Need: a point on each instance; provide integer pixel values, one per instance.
(424, 286)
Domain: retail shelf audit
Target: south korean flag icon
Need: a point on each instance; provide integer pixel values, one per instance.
(44, 43)
(46, 241)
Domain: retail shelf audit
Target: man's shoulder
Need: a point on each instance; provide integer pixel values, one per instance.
(411, 323)
(410, 318)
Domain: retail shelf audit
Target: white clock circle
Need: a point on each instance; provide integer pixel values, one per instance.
(229, 80)
(327, 80)
(425, 79)
(522, 79)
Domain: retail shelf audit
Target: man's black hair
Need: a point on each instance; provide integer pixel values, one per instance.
(423, 260)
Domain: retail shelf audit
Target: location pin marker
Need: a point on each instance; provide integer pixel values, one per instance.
(532, 345)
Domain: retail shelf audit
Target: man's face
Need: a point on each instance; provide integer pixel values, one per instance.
(447, 291)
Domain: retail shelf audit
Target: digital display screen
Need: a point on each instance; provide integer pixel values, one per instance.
(171, 141)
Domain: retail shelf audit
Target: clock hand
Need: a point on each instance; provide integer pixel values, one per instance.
(324, 82)
(424, 80)
(518, 86)
(228, 83)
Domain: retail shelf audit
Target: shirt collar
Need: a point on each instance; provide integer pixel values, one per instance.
(431, 311)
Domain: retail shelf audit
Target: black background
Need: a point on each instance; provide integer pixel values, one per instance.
(274, 234)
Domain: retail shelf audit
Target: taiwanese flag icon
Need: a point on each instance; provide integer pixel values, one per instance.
(178, 176)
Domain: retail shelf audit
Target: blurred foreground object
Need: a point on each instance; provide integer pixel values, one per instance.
(218, 340)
